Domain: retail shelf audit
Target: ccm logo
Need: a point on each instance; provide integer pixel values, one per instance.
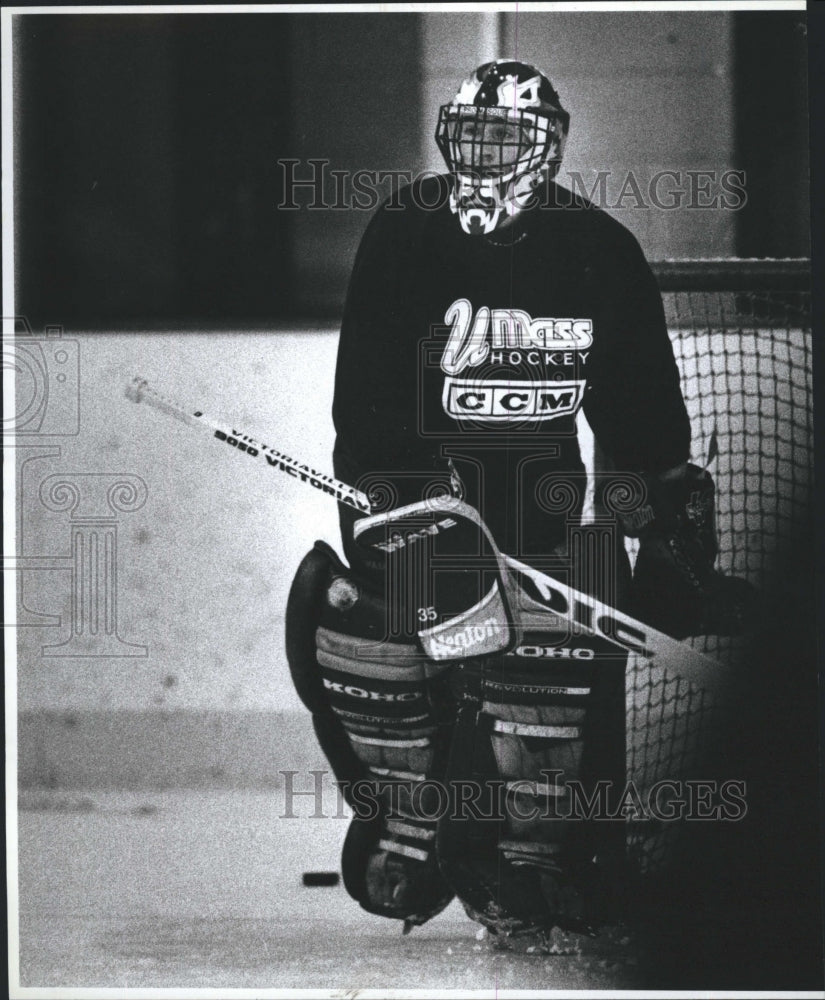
(358, 692)
(555, 652)
(505, 400)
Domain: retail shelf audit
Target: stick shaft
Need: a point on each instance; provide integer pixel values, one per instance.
(649, 642)
(139, 391)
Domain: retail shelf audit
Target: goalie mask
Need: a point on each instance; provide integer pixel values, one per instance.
(504, 130)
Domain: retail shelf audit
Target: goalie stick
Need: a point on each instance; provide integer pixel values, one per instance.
(139, 391)
(539, 597)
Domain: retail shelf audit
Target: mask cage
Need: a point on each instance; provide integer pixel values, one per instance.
(496, 142)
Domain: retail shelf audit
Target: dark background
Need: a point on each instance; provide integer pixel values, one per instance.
(147, 147)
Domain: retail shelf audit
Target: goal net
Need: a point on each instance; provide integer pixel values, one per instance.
(741, 333)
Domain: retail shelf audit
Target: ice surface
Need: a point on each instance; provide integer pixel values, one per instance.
(193, 889)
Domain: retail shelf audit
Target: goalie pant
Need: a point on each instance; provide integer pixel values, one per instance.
(468, 764)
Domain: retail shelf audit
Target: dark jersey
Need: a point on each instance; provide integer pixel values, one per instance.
(454, 347)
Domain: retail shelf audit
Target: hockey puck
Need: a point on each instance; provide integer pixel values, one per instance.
(321, 878)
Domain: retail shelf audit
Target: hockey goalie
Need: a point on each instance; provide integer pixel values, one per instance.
(481, 316)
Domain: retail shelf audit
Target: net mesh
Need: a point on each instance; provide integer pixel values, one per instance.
(741, 333)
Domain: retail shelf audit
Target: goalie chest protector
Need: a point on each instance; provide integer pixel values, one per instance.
(455, 346)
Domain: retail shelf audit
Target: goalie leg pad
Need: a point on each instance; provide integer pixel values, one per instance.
(527, 730)
(371, 705)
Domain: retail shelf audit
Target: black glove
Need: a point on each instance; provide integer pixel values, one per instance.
(675, 587)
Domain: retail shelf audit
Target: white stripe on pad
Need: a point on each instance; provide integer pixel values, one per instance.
(531, 729)
(408, 852)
